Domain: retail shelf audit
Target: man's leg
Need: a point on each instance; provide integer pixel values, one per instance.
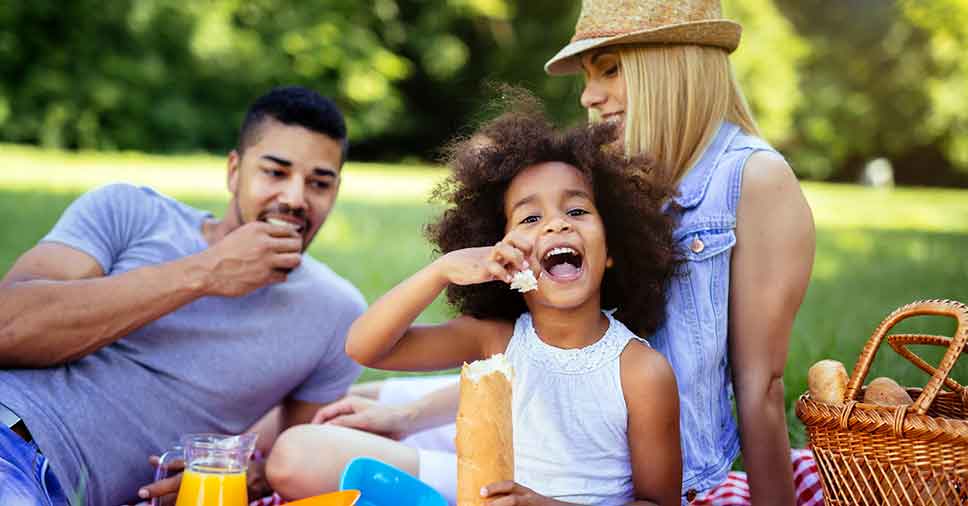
(26, 478)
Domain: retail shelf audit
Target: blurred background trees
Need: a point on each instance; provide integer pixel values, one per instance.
(833, 84)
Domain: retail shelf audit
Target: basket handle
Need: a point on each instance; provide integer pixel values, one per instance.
(956, 310)
(900, 343)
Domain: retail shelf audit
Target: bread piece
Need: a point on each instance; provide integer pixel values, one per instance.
(485, 452)
(827, 380)
(886, 392)
(524, 281)
(284, 223)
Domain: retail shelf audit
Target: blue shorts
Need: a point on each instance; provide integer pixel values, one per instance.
(25, 476)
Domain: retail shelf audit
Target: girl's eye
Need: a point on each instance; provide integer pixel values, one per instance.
(577, 212)
(530, 219)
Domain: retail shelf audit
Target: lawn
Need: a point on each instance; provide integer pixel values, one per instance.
(876, 249)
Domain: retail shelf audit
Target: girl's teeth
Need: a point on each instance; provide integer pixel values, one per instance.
(560, 251)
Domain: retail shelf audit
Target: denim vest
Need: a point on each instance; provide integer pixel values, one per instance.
(694, 335)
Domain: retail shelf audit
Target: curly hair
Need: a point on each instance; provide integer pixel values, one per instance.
(629, 195)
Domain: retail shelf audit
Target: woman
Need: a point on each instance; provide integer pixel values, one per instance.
(660, 68)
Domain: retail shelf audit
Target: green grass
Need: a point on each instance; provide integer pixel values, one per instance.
(876, 250)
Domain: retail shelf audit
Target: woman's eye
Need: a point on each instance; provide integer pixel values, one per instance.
(530, 219)
(611, 71)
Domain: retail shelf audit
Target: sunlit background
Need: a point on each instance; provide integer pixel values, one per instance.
(866, 98)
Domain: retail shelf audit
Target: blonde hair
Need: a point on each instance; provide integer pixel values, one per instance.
(676, 97)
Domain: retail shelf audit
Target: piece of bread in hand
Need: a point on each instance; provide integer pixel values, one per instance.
(485, 451)
(886, 392)
(827, 382)
(524, 281)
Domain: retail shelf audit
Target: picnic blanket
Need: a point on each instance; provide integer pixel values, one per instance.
(735, 491)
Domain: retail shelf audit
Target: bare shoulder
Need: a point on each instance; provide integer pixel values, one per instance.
(645, 371)
(767, 173)
(771, 197)
(494, 335)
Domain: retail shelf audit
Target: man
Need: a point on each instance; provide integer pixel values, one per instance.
(138, 319)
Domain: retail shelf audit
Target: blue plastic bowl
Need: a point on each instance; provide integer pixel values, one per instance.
(381, 484)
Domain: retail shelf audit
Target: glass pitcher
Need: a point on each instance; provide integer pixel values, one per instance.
(215, 466)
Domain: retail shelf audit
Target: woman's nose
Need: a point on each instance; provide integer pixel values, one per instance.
(593, 96)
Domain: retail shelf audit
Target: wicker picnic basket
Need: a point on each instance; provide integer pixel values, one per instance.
(906, 455)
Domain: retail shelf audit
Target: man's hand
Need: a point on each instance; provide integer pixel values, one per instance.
(166, 489)
(367, 415)
(250, 257)
(509, 493)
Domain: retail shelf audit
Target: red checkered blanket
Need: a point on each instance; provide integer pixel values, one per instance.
(735, 491)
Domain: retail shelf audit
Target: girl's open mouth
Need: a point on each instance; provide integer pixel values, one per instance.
(562, 264)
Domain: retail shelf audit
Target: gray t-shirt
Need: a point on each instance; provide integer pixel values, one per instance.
(215, 365)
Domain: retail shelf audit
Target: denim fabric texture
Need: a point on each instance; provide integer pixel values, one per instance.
(694, 335)
(25, 477)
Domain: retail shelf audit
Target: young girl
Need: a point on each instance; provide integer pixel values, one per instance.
(595, 409)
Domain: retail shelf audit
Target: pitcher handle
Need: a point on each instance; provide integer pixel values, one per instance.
(164, 462)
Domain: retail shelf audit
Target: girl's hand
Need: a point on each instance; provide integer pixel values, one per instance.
(367, 415)
(471, 266)
(509, 493)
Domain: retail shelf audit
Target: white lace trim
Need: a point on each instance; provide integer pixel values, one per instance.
(576, 360)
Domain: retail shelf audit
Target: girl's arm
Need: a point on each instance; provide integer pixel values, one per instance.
(384, 337)
(771, 267)
(653, 427)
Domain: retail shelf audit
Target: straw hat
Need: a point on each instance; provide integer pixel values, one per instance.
(610, 22)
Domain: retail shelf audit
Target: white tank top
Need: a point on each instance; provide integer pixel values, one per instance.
(569, 416)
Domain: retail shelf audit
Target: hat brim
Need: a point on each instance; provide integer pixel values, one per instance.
(721, 33)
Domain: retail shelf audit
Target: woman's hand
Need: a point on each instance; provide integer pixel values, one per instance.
(471, 266)
(509, 493)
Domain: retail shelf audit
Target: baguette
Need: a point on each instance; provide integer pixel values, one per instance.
(485, 452)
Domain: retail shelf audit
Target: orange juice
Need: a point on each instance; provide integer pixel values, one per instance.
(209, 486)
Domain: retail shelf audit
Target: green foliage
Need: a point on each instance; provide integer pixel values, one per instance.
(880, 80)
(766, 65)
(166, 75)
(946, 22)
(833, 84)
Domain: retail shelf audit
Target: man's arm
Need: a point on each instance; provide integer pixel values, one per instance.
(56, 305)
